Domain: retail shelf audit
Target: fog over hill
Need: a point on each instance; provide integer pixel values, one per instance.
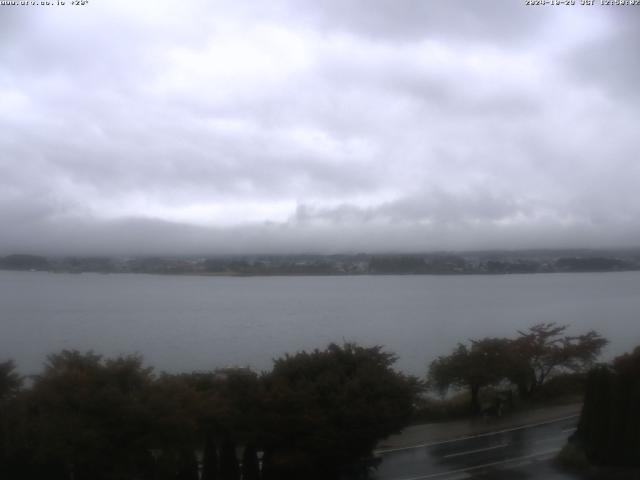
(302, 126)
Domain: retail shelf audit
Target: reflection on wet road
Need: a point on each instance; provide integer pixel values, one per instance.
(489, 455)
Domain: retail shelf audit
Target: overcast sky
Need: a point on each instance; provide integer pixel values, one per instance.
(325, 126)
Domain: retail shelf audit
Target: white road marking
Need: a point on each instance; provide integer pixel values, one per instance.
(477, 450)
(567, 430)
(480, 435)
(484, 465)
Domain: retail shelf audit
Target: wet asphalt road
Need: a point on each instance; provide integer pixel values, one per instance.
(513, 453)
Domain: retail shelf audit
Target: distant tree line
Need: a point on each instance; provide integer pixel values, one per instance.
(525, 362)
(24, 262)
(314, 415)
(358, 264)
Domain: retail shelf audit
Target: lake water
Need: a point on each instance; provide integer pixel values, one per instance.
(181, 323)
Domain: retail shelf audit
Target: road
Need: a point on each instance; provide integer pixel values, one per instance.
(520, 452)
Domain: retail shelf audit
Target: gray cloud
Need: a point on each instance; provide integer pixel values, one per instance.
(334, 126)
(405, 21)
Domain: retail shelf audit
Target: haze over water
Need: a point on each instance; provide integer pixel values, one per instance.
(181, 323)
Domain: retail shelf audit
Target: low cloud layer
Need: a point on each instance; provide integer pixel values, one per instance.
(222, 127)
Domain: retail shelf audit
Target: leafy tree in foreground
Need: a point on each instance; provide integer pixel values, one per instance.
(88, 417)
(10, 381)
(609, 427)
(315, 415)
(326, 410)
(10, 384)
(485, 362)
(543, 350)
(527, 361)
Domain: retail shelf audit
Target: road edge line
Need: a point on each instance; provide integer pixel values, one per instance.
(484, 465)
(469, 437)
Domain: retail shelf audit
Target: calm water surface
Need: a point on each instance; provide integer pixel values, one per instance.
(181, 323)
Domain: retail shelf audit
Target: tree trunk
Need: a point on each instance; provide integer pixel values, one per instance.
(210, 460)
(475, 399)
(229, 468)
(523, 390)
(250, 469)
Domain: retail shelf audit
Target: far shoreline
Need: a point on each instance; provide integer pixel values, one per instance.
(312, 275)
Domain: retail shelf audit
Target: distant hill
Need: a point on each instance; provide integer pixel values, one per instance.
(24, 262)
(441, 263)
